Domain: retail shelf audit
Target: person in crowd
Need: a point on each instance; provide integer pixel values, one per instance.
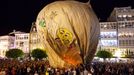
(31, 67)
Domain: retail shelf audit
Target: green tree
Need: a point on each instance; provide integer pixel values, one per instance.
(14, 53)
(39, 53)
(104, 54)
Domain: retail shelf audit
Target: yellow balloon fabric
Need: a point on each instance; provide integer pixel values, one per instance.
(69, 32)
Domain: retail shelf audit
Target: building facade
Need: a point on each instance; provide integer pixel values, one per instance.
(22, 41)
(122, 14)
(6, 43)
(117, 35)
(108, 36)
(34, 39)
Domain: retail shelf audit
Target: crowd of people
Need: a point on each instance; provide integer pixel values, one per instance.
(21, 67)
(41, 67)
(101, 68)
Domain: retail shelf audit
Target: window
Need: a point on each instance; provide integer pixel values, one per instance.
(133, 42)
(16, 37)
(16, 43)
(123, 42)
(120, 42)
(34, 29)
(124, 16)
(129, 15)
(119, 15)
(130, 43)
(126, 42)
(21, 44)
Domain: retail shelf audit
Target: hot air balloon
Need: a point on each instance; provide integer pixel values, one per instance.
(69, 32)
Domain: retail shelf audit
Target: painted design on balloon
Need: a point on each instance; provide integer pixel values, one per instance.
(42, 23)
(65, 36)
(68, 51)
(53, 14)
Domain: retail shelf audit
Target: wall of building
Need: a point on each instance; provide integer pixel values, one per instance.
(6, 43)
(22, 42)
(118, 35)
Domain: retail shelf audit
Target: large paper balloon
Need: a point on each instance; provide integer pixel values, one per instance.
(69, 32)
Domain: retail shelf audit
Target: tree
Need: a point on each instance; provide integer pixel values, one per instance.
(14, 53)
(104, 54)
(39, 53)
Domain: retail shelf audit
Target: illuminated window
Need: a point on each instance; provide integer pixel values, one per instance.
(109, 42)
(129, 15)
(105, 26)
(34, 29)
(119, 15)
(124, 15)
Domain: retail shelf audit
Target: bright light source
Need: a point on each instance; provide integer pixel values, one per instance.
(105, 26)
(124, 15)
(129, 15)
(119, 15)
(118, 53)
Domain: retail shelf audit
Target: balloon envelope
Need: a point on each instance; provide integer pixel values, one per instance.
(69, 32)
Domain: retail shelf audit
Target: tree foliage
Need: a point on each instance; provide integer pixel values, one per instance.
(14, 53)
(39, 53)
(104, 54)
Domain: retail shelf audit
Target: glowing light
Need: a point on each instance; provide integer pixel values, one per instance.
(119, 15)
(129, 15)
(124, 15)
(118, 53)
(105, 26)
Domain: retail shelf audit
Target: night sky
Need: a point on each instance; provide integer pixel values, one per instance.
(19, 14)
